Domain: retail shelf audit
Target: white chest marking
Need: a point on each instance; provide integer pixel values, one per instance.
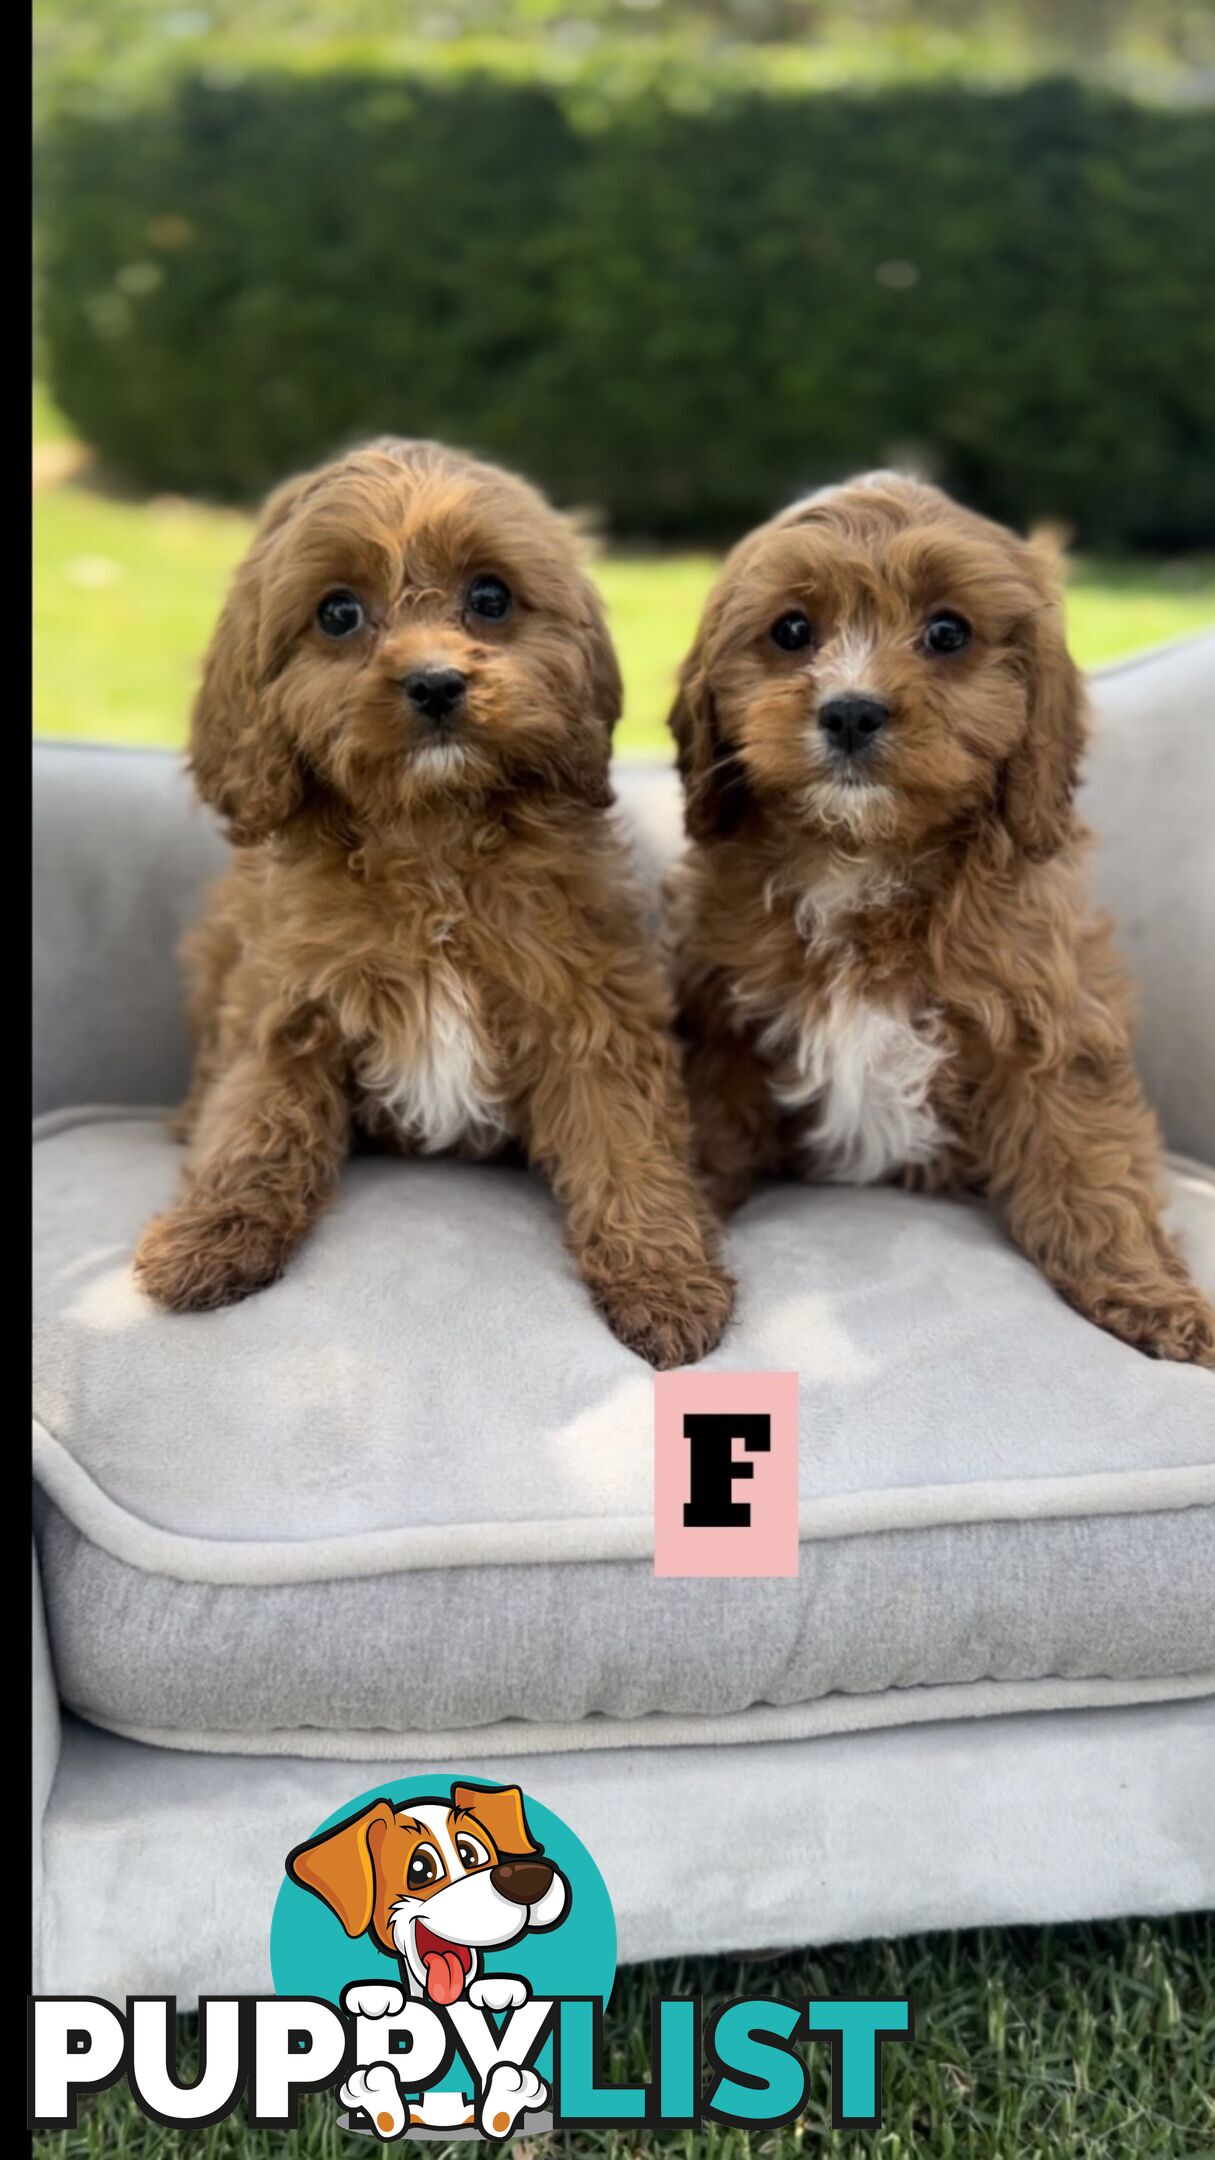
(440, 1094)
(869, 1070)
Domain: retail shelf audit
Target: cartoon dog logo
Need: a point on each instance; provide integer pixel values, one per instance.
(435, 1885)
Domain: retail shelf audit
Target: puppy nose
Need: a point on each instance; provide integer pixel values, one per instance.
(524, 1882)
(435, 692)
(850, 722)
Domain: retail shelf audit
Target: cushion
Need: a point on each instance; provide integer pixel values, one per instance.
(1078, 1814)
(427, 1521)
(1154, 866)
(122, 851)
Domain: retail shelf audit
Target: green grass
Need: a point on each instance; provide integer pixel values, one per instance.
(127, 591)
(1082, 2043)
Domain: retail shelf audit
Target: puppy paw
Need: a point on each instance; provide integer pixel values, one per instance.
(373, 1999)
(669, 1319)
(376, 2091)
(207, 1253)
(1178, 1324)
(509, 2093)
(498, 1991)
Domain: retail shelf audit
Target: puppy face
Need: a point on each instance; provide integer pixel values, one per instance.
(436, 1883)
(879, 664)
(409, 626)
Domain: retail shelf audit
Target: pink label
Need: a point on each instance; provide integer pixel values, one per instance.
(725, 1473)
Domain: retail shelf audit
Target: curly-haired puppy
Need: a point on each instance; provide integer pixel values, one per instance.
(428, 928)
(888, 965)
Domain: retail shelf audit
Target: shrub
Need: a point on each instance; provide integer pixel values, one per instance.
(679, 304)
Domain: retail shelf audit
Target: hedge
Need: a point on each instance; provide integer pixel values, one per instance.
(678, 306)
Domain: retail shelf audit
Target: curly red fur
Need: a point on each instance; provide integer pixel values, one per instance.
(426, 933)
(887, 962)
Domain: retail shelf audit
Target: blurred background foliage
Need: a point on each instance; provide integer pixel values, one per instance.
(676, 299)
(678, 260)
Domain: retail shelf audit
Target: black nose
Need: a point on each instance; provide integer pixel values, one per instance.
(434, 691)
(851, 722)
(524, 1882)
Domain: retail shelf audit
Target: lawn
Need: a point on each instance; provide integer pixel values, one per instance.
(1082, 2043)
(127, 591)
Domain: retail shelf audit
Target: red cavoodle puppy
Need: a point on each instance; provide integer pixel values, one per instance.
(427, 928)
(889, 966)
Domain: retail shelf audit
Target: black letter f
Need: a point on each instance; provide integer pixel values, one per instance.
(712, 1506)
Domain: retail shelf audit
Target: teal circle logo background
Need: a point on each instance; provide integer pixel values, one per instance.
(311, 1954)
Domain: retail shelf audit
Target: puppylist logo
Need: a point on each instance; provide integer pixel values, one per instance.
(444, 1953)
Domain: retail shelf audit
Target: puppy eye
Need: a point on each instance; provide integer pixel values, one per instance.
(792, 632)
(424, 1868)
(946, 634)
(340, 615)
(472, 1852)
(490, 598)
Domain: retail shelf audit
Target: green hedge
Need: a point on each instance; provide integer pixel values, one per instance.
(678, 305)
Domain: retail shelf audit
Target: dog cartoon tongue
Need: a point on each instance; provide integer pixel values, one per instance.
(444, 1976)
(446, 1965)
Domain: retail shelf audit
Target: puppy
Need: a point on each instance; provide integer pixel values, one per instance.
(888, 965)
(427, 931)
(435, 1885)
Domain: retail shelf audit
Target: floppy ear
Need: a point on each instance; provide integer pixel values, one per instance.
(1040, 776)
(241, 756)
(716, 796)
(502, 1814)
(588, 767)
(339, 1866)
